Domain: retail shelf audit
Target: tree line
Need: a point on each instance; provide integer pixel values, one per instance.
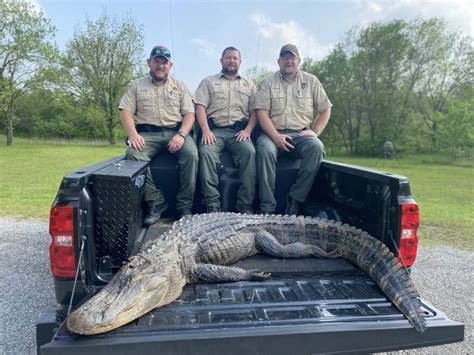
(410, 83)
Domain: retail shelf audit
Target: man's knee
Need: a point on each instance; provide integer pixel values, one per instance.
(248, 151)
(133, 154)
(314, 147)
(207, 151)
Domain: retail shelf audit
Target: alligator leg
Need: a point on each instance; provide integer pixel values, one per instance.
(218, 273)
(268, 244)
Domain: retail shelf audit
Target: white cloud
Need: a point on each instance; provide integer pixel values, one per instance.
(458, 13)
(272, 35)
(206, 47)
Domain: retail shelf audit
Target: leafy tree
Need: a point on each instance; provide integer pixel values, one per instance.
(450, 69)
(101, 60)
(257, 73)
(25, 52)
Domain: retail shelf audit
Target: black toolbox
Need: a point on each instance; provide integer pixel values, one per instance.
(117, 196)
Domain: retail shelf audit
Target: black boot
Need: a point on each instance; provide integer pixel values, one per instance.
(292, 207)
(213, 209)
(154, 213)
(183, 212)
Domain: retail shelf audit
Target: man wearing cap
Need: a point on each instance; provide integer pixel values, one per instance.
(224, 111)
(285, 104)
(158, 113)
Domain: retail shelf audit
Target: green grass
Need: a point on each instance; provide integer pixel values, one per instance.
(444, 193)
(31, 172)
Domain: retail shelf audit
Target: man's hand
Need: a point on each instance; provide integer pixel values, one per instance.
(175, 144)
(137, 142)
(282, 141)
(208, 137)
(308, 132)
(242, 135)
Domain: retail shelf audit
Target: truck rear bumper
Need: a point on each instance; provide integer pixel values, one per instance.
(298, 339)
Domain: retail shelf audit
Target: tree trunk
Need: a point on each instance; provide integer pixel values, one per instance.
(9, 125)
(110, 125)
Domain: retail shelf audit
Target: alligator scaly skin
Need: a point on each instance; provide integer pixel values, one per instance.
(198, 248)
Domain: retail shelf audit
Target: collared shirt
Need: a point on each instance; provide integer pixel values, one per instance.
(226, 100)
(162, 106)
(291, 104)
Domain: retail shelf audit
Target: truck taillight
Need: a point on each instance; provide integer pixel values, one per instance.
(408, 238)
(61, 249)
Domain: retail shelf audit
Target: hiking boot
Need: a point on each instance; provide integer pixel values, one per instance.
(213, 209)
(154, 213)
(292, 207)
(185, 212)
(246, 210)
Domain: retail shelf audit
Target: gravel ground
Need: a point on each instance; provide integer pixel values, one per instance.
(27, 288)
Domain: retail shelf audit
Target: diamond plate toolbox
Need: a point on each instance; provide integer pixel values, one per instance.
(117, 192)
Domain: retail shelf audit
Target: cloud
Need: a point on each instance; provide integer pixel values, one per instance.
(458, 13)
(272, 35)
(206, 47)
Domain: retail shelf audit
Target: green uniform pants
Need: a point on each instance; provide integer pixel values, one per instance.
(311, 151)
(187, 156)
(243, 154)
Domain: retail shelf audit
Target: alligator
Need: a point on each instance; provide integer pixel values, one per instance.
(199, 248)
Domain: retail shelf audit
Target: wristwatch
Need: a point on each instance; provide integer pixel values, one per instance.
(182, 134)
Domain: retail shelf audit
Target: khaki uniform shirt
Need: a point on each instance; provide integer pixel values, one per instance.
(291, 105)
(226, 100)
(162, 106)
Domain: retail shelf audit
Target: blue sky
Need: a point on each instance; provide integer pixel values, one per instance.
(198, 31)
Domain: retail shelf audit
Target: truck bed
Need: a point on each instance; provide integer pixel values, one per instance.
(308, 306)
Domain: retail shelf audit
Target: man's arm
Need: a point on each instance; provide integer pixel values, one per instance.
(136, 141)
(319, 124)
(268, 127)
(207, 136)
(321, 121)
(176, 143)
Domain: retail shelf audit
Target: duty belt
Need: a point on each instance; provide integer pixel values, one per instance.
(147, 128)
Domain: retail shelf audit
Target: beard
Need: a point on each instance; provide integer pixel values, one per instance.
(158, 76)
(230, 70)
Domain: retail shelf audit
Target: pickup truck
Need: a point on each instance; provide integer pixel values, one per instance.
(309, 305)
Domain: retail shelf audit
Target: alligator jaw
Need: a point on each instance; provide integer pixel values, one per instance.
(135, 290)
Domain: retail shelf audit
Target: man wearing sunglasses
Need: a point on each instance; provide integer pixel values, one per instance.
(224, 111)
(285, 104)
(158, 113)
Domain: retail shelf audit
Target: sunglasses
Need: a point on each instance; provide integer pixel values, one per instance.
(159, 51)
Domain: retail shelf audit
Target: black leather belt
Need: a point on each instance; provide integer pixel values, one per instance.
(147, 128)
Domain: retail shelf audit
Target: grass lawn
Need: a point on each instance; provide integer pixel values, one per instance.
(444, 193)
(31, 172)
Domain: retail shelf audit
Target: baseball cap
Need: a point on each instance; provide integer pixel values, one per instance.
(289, 48)
(160, 51)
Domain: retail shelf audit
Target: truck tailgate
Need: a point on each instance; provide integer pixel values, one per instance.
(339, 309)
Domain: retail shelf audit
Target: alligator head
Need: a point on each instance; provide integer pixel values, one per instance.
(151, 279)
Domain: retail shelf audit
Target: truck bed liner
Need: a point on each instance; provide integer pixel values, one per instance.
(295, 311)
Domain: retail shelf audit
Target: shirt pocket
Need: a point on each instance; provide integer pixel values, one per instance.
(174, 99)
(277, 101)
(304, 102)
(218, 95)
(144, 101)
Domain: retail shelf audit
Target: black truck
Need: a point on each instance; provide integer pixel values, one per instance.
(309, 305)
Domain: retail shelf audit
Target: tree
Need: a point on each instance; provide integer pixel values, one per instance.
(25, 51)
(257, 73)
(450, 69)
(101, 60)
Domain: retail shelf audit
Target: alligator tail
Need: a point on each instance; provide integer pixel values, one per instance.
(374, 257)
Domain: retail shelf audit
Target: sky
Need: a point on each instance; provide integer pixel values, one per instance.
(197, 31)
